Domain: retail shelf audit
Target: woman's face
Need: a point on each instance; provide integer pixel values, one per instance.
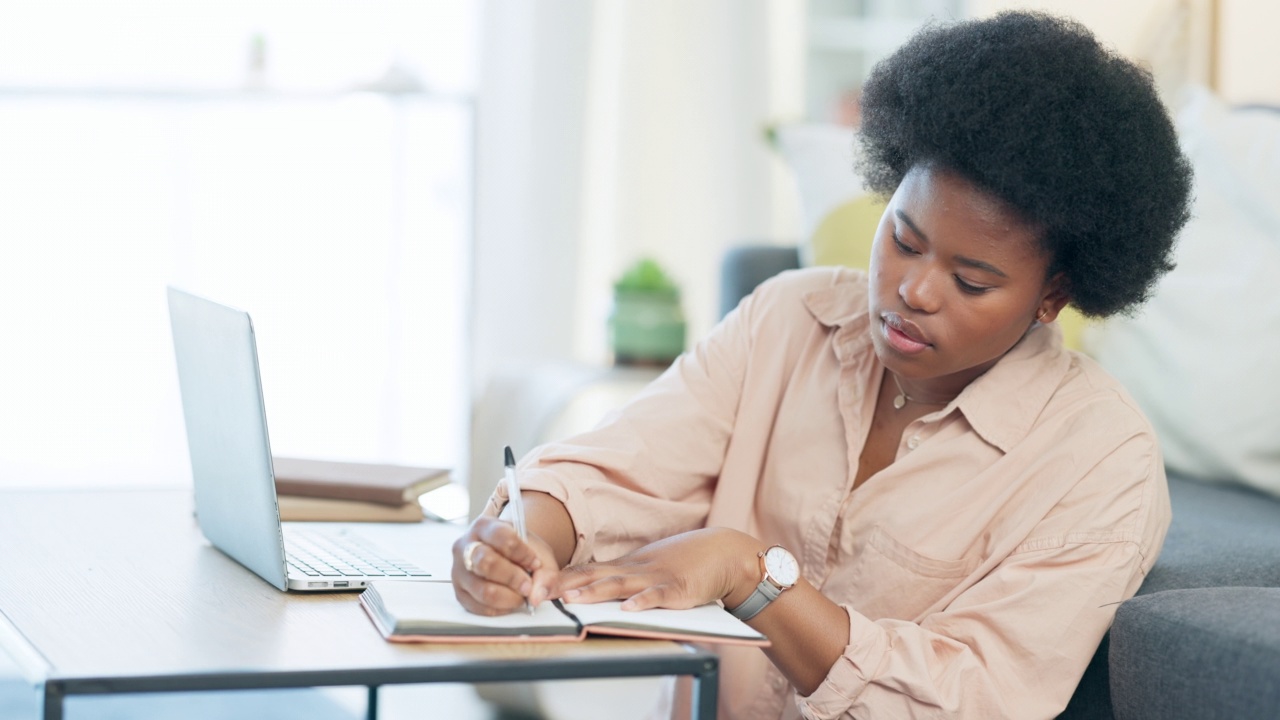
(957, 278)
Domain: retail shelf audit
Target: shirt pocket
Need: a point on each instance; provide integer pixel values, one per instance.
(892, 580)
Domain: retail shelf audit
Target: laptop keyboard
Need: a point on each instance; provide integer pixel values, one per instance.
(320, 555)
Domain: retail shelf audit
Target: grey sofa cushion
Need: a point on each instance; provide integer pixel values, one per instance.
(1222, 535)
(1205, 653)
(746, 266)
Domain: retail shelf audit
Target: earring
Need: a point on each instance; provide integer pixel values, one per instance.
(1040, 315)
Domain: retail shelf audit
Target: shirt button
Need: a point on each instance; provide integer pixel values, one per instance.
(913, 442)
(779, 683)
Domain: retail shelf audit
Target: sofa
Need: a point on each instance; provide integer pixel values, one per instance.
(1201, 639)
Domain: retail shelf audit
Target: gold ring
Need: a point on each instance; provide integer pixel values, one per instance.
(468, 555)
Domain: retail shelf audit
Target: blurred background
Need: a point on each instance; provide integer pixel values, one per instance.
(412, 198)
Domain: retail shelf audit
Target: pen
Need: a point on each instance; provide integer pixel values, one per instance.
(515, 501)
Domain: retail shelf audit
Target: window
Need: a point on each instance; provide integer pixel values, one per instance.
(310, 163)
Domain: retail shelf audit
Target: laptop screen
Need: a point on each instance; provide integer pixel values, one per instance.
(227, 438)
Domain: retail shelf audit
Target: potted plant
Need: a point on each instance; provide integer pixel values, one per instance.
(647, 325)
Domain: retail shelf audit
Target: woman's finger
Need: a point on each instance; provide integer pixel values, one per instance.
(649, 597)
(503, 537)
(609, 587)
(482, 597)
(577, 576)
(659, 596)
(485, 580)
(488, 564)
(486, 550)
(546, 581)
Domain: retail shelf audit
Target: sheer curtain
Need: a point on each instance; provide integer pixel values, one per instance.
(311, 165)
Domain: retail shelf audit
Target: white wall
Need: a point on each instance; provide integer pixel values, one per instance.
(1249, 56)
(676, 164)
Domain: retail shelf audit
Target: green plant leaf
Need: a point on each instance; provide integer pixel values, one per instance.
(645, 275)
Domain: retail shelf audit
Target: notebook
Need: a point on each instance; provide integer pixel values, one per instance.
(232, 471)
(429, 612)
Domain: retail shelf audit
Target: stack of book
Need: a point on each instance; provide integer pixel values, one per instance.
(322, 490)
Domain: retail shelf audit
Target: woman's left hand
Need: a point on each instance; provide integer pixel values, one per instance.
(682, 571)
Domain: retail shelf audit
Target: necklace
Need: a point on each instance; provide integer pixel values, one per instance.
(902, 398)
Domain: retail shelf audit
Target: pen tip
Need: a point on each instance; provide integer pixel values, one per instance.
(508, 457)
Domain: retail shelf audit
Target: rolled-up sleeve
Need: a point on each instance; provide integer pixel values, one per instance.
(649, 469)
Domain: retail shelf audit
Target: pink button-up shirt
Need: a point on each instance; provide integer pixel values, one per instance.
(979, 570)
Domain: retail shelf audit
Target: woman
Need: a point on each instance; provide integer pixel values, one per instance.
(960, 503)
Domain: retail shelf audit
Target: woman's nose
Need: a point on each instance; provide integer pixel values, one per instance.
(919, 289)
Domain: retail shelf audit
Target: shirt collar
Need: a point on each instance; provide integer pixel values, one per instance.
(842, 302)
(843, 306)
(1005, 401)
(1001, 405)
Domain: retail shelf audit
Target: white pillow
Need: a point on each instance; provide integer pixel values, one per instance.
(1203, 357)
(821, 157)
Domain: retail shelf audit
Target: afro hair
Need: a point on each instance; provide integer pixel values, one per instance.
(1032, 109)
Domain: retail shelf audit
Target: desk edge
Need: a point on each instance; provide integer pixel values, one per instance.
(33, 665)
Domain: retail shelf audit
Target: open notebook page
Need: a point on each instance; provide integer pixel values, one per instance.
(432, 608)
(710, 620)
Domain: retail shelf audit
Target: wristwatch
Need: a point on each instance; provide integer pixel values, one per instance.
(781, 571)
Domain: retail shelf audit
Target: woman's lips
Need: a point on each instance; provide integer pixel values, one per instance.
(903, 335)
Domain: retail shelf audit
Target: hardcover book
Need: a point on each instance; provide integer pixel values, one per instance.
(368, 482)
(316, 509)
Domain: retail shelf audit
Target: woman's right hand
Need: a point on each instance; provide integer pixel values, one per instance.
(494, 571)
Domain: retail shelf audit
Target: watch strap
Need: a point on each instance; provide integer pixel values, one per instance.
(765, 593)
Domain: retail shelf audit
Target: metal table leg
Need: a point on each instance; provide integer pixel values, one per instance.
(706, 687)
(52, 701)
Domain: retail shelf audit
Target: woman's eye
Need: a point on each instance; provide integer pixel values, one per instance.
(970, 287)
(902, 247)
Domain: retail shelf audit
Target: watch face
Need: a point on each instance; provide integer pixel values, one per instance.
(782, 566)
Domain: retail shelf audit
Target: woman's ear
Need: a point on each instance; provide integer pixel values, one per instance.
(1057, 295)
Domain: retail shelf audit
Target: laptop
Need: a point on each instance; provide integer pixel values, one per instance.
(235, 495)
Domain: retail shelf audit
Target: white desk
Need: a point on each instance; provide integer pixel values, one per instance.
(117, 592)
